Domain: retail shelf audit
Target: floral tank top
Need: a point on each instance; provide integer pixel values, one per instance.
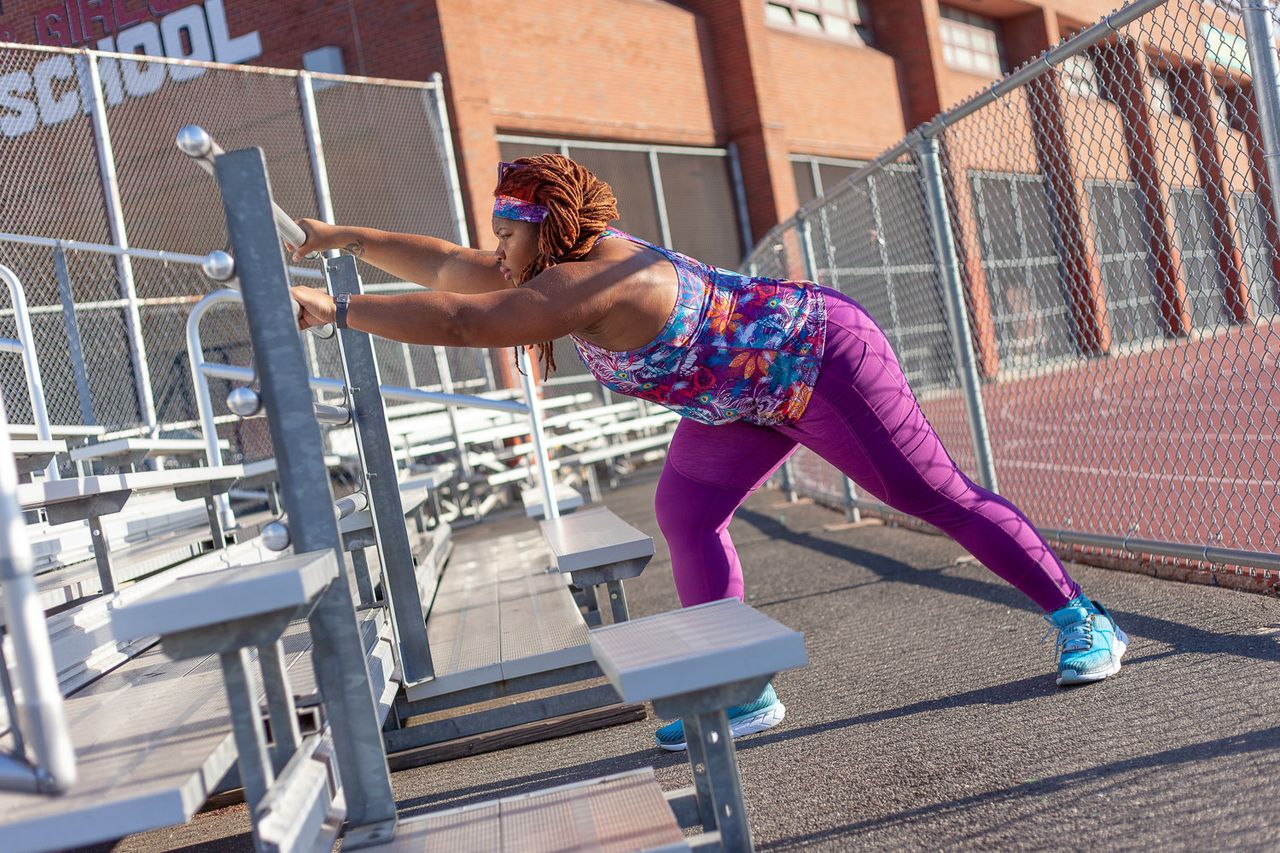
(734, 347)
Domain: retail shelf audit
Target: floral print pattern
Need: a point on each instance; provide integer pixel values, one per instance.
(734, 347)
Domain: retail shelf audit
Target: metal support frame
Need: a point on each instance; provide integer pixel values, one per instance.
(377, 461)
(659, 198)
(810, 260)
(1260, 36)
(445, 374)
(119, 236)
(72, 328)
(944, 247)
(341, 673)
(740, 196)
(37, 719)
(30, 360)
(551, 508)
(446, 138)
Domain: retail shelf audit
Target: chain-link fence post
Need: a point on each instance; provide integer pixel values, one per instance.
(446, 140)
(740, 195)
(948, 261)
(808, 256)
(119, 236)
(660, 198)
(72, 326)
(1260, 36)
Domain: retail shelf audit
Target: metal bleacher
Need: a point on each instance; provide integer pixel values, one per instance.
(158, 657)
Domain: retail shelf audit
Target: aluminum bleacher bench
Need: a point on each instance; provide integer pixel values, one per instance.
(597, 548)
(567, 500)
(127, 453)
(91, 498)
(227, 614)
(33, 455)
(500, 625)
(692, 664)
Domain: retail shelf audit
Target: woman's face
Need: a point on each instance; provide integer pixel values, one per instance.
(517, 245)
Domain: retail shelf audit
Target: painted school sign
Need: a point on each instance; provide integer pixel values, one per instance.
(51, 92)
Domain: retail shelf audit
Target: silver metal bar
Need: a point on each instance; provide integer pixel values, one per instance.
(315, 147)
(69, 323)
(659, 198)
(446, 138)
(119, 235)
(10, 345)
(246, 725)
(285, 734)
(40, 716)
(200, 382)
(341, 673)
(740, 196)
(953, 286)
(445, 374)
(1260, 36)
(377, 461)
(348, 505)
(327, 413)
(551, 508)
(30, 361)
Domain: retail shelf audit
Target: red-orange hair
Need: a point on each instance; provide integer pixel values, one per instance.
(579, 206)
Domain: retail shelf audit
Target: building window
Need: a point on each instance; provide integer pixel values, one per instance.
(848, 20)
(971, 42)
(1079, 77)
(1193, 223)
(1120, 231)
(1034, 324)
(1259, 259)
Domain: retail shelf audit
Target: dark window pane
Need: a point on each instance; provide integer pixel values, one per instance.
(701, 211)
(627, 172)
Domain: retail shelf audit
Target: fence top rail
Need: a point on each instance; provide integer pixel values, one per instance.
(270, 71)
(1029, 71)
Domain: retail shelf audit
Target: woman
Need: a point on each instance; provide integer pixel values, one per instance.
(755, 366)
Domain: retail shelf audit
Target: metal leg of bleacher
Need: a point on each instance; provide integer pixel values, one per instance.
(341, 674)
(377, 461)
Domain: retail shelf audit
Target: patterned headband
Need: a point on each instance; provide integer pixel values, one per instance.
(507, 207)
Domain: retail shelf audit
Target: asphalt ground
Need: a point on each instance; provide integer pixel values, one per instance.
(928, 717)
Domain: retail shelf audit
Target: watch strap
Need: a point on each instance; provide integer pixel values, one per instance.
(341, 304)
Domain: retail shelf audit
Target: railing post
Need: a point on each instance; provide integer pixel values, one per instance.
(1260, 35)
(445, 373)
(535, 428)
(119, 236)
(446, 139)
(341, 672)
(373, 441)
(944, 248)
(659, 198)
(30, 361)
(811, 273)
(75, 348)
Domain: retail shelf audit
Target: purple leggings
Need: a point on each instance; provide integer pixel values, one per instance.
(864, 420)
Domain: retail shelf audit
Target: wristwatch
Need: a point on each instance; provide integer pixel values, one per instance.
(340, 304)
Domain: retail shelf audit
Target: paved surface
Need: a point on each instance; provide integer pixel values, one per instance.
(928, 718)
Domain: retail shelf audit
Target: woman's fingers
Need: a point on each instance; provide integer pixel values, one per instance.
(316, 306)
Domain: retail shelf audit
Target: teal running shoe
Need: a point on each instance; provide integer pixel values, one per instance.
(764, 713)
(1090, 643)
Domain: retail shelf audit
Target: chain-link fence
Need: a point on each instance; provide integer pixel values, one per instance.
(105, 219)
(1105, 218)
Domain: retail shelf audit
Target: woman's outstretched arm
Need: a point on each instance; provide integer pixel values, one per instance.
(428, 261)
(560, 300)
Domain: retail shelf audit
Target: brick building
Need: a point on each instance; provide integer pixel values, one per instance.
(794, 91)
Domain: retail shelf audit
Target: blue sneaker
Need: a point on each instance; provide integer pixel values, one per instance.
(764, 713)
(1090, 643)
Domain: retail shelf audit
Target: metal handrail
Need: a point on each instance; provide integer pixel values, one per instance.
(202, 371)
(30, 360)
(36, 712)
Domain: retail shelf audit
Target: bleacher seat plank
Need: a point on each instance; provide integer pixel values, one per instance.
(593, 537)
(498, 614)
(624, 812)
